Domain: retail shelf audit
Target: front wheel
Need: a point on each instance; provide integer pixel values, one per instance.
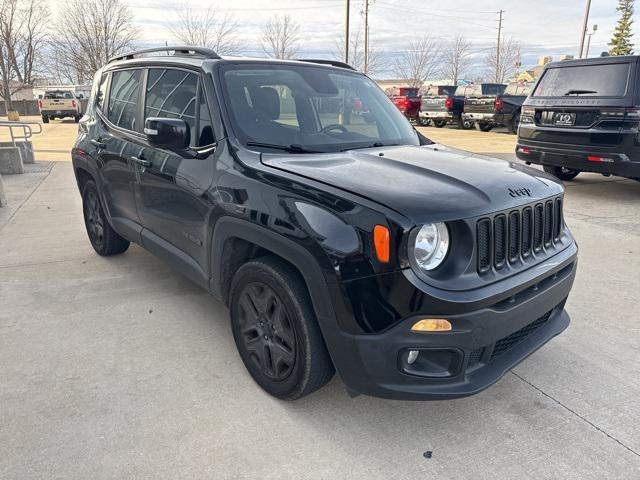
(439, 123)
(563, 173)
(275, 330)
(104, 239)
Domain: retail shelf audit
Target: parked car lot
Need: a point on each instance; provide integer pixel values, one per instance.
(104, 359)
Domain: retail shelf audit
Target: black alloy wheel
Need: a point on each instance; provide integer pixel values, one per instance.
(266, 331)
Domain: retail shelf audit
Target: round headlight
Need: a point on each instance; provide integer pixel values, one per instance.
(431, 245)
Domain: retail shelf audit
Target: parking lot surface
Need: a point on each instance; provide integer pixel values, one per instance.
(122, 368)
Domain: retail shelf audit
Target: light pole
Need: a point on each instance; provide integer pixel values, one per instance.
(585, 21)
(346, 33)
(589, 34)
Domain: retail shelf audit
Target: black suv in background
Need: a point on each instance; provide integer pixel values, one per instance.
(584, 116)
(338, 243)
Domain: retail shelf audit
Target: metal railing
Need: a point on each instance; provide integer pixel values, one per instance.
(26, 127)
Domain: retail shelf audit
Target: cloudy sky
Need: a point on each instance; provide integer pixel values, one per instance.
(542, 27)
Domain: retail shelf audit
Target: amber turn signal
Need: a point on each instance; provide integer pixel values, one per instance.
(381, 243)
(432, 325)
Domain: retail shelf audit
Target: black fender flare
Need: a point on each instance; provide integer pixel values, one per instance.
(228, 227)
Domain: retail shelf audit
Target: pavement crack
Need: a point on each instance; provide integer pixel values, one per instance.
(577, 415)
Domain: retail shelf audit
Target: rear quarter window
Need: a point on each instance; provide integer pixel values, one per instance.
(604, 80)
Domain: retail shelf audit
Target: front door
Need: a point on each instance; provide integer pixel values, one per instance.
(173, 193)
(116, 140)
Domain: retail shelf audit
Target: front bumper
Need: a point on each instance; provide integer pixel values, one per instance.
(490, 335)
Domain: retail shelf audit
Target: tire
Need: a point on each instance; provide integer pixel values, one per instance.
(271, 313)
(485, 127)
(45, 119)
(104, 239)
(515, 123)
(77, 118)
(562, 173)
(439, 123)
(422, 121)
(465, 124)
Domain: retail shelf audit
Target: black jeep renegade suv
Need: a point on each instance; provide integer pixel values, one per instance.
(415, 271)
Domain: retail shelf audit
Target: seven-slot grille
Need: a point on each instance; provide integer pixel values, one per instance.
(519, 233)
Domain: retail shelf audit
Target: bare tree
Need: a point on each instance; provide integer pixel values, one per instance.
(503, 62)
(456, 59)
(280, 38)
(419, 62)
(376, 61)
(90, 32)
(22, 35)
(208, 29)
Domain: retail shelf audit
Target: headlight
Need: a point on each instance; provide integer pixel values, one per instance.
(431, 245)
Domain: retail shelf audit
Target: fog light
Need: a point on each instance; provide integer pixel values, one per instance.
(413, 356)
(432, 325)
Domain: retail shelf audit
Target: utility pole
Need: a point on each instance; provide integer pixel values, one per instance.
(366, 36)
(346, 32)
(498, 47)
(585, 22)
(590, 34)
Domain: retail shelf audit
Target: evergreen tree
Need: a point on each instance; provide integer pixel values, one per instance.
(621, 42)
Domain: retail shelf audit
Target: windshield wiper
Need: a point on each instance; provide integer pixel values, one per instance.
(293, 148)
(371, 145)
(579, 92)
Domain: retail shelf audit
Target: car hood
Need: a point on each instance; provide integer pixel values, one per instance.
(427, 183)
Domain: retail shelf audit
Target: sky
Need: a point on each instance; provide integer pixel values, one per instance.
(541, 27)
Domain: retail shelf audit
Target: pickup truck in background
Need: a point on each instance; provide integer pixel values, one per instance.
(495, 108)
(432, 108)
(59, 104)
(444, 109)
(407, 100)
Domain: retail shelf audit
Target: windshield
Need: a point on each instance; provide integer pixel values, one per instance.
(310, 108)
(604, 80)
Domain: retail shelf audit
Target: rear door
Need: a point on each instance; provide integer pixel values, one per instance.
(173, 193)
(584, 104)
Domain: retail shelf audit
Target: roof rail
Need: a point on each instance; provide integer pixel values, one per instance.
(334, 63)
(179, 50)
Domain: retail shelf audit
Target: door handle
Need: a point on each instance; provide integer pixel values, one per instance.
(98, 144)
(143, 162)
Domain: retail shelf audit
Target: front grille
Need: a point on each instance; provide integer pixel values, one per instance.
(509, 237)
(507, 343)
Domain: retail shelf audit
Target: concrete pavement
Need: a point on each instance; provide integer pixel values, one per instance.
(121, 368)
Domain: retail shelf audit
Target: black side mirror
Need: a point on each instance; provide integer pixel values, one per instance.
(168, 133)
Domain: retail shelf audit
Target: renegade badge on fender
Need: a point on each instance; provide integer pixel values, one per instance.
(338, 242)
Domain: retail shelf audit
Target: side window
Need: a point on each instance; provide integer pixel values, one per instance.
(123, 99)
(102, 92)
(172, 94)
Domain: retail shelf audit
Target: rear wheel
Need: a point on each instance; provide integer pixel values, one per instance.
(422, 121)
(465, 124)
(77, 117)
(563, 173)
(45, 119)
(275, 330)
(104, 239)
(439, 123)
(485, 127)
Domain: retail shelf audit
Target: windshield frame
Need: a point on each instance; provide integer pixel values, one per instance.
(233, 127)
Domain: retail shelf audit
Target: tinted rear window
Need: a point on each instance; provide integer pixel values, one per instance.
(522, 89)
(608, 80)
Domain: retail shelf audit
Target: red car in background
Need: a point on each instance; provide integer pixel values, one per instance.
(407, 100)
